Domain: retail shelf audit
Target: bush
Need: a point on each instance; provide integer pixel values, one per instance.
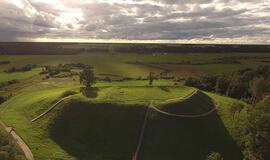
(25, 68)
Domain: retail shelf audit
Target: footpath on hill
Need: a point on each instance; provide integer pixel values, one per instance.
(19, 141)
(136, 153)
(50, 109)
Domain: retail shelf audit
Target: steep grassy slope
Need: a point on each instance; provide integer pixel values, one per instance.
(233, 119)
(189, 138)
(18, 112)
(198, 103)
(98, 131)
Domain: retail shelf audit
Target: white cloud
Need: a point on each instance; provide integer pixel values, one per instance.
(166, 20)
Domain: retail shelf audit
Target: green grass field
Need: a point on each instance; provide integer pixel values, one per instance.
(19, 75)
(116, 64)
(108, 126)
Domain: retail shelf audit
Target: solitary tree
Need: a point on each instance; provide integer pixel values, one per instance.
(87, 77)
(151, 78)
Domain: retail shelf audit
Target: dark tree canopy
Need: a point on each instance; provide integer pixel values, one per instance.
(251, 85)
(258, 86)
(87, 77)
(151, 78)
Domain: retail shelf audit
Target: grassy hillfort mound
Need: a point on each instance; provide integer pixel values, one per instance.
(94, 130)
(108, 127)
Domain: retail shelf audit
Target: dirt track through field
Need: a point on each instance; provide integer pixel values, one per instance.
(50, 109)
(19, 141)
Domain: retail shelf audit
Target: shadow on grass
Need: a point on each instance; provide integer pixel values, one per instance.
(164, 88)
(175, 138)
(110, 132)
(91, 92)
(197, 104)
(98, 131)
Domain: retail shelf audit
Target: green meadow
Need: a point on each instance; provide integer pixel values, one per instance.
(108, 125)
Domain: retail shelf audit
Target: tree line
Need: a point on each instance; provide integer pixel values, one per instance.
(250, 85)
(25, 68)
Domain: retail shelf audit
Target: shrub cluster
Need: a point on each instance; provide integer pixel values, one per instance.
(8, 149)
(7, 83)
(61, 71)
(218, 61)
(25, 68)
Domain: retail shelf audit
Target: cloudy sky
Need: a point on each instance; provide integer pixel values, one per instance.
(183, 21)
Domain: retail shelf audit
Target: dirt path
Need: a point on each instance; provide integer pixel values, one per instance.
(181, 98)
(187, 115)
(135, 155)
(50, 109)
(24, 147)
(183, 115)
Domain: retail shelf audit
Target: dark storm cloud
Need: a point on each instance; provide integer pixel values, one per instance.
(136, 19)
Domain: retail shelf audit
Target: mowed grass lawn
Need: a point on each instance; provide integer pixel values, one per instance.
(105, 127)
